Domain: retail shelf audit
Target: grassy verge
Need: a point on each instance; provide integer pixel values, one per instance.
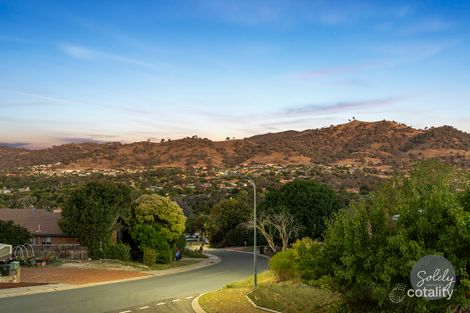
(193, 253)
(180, 263)
(289, 297)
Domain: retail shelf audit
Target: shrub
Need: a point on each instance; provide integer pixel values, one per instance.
(366, 252)
(283, 266)
(165, 255)
(119, 251)
(150, 256)
(193, 253)
(181, 242)
(13, 234)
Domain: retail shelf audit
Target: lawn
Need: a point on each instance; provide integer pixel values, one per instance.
(288, 297)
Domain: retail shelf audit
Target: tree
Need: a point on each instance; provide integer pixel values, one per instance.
(227, 220)
(286, 227)
(13, 234)
(372, 245)
(277, 226)
(198, 224)
(156, 222)
(161, 213)
(267, 229)
(310, 203)
(90, 214)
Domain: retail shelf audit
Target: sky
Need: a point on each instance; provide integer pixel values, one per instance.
(112, 70)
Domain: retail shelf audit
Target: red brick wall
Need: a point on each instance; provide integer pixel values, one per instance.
(63, 240)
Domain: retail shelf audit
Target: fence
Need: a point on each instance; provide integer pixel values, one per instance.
(63, 251)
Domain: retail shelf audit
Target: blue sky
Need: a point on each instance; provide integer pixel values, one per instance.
(73, 71)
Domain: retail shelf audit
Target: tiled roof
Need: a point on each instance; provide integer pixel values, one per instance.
(38, 222)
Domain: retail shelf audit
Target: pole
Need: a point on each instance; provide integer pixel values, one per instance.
(255, 270)
(254, 234)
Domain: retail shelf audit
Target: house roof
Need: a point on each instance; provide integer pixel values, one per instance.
(38, 222)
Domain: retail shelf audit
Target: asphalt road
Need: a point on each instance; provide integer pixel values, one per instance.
(172, 293)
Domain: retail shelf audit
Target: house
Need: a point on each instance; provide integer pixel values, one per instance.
(42, 224)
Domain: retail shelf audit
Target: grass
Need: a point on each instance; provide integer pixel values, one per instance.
(193, 253)
(287, 297)
(180, 263)
(292, 298)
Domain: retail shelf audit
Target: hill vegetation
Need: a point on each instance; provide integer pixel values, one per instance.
(384, 145)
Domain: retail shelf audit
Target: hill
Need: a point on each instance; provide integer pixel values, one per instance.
(384, 145)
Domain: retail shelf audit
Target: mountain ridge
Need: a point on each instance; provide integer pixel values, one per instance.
(385, 145)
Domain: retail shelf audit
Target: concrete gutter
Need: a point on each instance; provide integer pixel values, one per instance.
(22, 291)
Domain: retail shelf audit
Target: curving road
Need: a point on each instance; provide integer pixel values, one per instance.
(171, 293)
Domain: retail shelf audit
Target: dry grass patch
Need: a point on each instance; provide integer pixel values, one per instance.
(287, 297)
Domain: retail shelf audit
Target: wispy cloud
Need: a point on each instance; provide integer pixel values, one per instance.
(62, 101)
(333, 70)
(427, 26)
(416, 50)
(342, 106)
(247, 12)
(85, 53)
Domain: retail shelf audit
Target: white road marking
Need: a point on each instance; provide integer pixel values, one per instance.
(128, 311)
(175, 300)
(144, 307)
(190, 297)
(161, 303)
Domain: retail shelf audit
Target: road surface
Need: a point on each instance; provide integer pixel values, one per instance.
(171, 293)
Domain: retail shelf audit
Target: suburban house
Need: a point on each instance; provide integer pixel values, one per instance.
(42, 224)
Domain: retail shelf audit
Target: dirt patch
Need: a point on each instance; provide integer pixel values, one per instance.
(74, 276)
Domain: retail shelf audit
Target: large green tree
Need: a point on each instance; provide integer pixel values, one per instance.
(90, 213)
(372, 245)
(13, 234)
(309, 202)
(156, 222)
(227, 221)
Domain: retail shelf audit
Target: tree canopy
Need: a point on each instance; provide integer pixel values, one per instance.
(156, 222)
(90, 213)
(227, 222)
(372, 245)
(309, 202)
(13, 234)
(161, 213)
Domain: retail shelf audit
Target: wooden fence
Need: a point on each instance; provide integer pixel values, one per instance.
(63, 251)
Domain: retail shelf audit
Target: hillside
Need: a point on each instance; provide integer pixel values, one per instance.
(383, 145)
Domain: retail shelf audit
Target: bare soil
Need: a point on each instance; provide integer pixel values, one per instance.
(74, 276)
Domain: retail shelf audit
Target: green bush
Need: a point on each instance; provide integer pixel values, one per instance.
(165, 255)
(181, 242)
(13, 234)
(119, 251)
(193, 253)
(366, 252)
(150, 256)
(163, 249)
(283, 265)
